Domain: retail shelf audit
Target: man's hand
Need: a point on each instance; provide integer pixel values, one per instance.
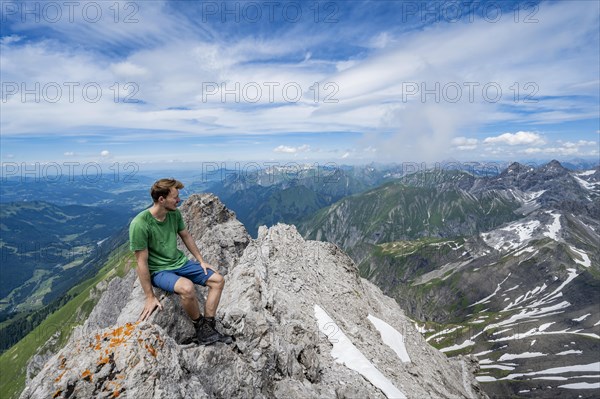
(149, 307)
(205, 266)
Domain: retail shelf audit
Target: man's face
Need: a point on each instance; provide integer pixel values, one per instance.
(172, 200)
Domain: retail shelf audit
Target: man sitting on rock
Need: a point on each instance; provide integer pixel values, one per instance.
(153, 237)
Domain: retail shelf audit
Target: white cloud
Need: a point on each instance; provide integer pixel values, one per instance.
(382, 40)
(169, 58)
(519, 138)
(343, 65)
(10, 39)
(464, 143)
(292, 150)
(105, 153)
(128, 69)
(533, 150)
(69, 154)
(586, 143)
(567, 148)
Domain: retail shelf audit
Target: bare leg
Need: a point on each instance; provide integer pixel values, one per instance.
(215, 285)
(187, 293)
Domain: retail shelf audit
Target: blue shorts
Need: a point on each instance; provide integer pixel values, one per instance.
(192, 270)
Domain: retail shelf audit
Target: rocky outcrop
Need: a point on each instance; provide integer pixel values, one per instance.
(305, 326)
(131, 360)
(219, 235)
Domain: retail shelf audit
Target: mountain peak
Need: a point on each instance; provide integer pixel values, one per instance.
(305, 325)
(554, 165)
(517, 167)
(553, 169)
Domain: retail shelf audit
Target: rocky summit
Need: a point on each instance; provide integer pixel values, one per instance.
(305, 326)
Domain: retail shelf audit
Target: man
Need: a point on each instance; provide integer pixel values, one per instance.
(153, 238)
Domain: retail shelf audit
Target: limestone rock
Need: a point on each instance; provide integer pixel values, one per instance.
(133, 360)
(220, 237)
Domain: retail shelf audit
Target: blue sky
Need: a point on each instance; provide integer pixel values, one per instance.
(351, 82)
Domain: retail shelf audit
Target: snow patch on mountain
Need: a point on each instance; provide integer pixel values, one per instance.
(487, 298)
(522, 298)
(586, 173)
(581, 385)
(585, 259)
(582, 318)
(456, 347)
(391, 337)
(513, 288)
(524, 355)
(590, 186)
(511, 236)
(570, 352)
(557, 292)
(497, 366)
(554, 228)
(443, 332)
(344, 352)
(551, 371)
(527, 199)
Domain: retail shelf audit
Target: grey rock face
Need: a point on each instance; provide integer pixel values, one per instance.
(132, 360)
(220, 237)
(281, 349)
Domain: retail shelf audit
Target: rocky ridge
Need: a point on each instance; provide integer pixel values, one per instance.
(305, 325)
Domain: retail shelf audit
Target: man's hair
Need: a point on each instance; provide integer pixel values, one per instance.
(162, 188)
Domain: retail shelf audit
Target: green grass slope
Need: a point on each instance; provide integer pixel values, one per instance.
(13, 362)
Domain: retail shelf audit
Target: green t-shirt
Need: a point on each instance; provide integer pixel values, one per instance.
(160, 238)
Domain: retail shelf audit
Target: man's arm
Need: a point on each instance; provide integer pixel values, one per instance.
(152, 301)
(190, 244)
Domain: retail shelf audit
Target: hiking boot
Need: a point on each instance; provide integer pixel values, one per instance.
(205, 334)
(227, 339)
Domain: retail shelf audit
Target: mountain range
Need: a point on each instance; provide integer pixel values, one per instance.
(289, 194)
(504, 267)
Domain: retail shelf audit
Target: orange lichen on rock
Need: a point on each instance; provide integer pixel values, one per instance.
(87, 375)
(114, 388)
(117, 336)
(116, 341)
(57, 379)
(57, 393)
(151, 349)
(129, 329)
(103, 360)
(63, 363)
